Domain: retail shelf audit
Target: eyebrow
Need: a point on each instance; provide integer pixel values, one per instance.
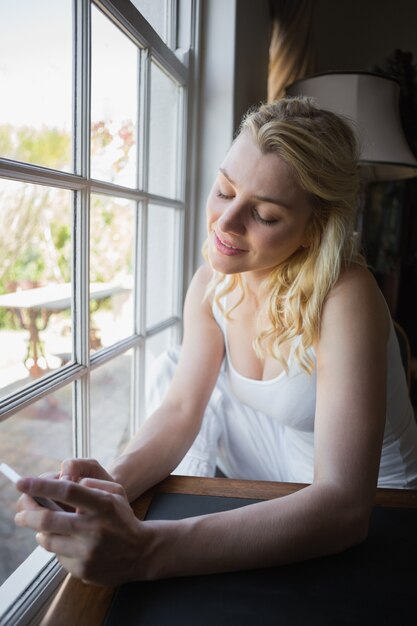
(260, 198)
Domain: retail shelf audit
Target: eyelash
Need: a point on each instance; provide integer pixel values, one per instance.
(260, 219)
(255, 213)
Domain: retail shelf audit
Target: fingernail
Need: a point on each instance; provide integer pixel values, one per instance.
(18, 518)
(23, 484)
(65, 477)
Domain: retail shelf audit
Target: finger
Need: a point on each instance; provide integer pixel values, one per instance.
(75, 469)
(47, 521)
(56, 476)
(26, 503)
(65, 491)
(104, 485)
(49, 475)
(61, 545)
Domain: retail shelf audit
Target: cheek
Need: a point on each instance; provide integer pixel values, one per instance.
(288, 237)
(211, 207)
(214, 212)
(272, 240)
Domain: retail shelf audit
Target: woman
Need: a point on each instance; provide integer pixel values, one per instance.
(312, 389)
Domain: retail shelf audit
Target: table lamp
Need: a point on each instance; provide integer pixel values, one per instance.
(371, 103)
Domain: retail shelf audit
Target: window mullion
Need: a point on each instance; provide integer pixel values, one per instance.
(77, 373)
(192, 124)
(171, 11)
(138, 369)
(81, 323)
(181, 132)
(138, 396)
(137, 27)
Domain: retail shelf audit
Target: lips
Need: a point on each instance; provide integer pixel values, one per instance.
(227, 248)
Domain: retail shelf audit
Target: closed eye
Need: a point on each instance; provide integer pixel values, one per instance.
(261, 220)
(219, 194)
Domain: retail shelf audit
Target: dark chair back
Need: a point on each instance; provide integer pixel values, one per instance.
(405, 350)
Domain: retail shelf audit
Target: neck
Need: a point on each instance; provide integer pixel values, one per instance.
(253, 286)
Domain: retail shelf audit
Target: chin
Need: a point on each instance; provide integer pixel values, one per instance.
(221, 265)
(225, 269)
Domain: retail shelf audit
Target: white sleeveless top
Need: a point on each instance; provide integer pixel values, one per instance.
(276, 422)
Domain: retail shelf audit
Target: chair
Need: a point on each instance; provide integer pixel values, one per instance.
(404, 350)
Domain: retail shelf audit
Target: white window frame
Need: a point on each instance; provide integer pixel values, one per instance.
(28, 587)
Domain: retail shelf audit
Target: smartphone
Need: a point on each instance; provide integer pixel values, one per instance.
(14, 477)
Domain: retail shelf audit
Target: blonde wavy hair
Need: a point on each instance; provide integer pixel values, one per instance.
(321, 150)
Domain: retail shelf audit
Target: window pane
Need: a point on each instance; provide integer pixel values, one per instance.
(155, 346)
(36, 82)
(33, 441)
(111, 269)
(35, 274)
(154, 12)
(162, 273)
(110, 407)
(114, 97)
(163, 145)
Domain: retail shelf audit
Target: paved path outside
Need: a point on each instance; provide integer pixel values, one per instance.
(39, 437)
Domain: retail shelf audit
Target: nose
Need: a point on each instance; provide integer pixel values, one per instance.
(232, 219)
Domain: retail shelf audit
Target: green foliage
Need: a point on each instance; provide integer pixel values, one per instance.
(101, 136)
(29, 267)
(111, 234)
(61, 236)
(45, 146)
(6, 146)
(35, 221)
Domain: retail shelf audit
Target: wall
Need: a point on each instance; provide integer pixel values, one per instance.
(251, 55)
(233, 76)
(348, 35)
(357, 34)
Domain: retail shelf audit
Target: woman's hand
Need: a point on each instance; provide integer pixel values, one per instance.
(75, 469)
(71, 469)
(100, 540)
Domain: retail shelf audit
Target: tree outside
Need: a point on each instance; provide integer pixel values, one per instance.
(36, 224)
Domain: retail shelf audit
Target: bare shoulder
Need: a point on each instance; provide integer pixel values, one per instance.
(358, 276)
(357, 305)
(196, 294)
(202, 277)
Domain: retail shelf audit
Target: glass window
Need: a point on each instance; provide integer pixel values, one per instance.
(73, 246)
(111, 269)
(155, 346)
(35, 440)
(154, 12)
(111, 408)
(36, 82)
(163, 144)
(35, 281)
(162, 247)
(114, 98)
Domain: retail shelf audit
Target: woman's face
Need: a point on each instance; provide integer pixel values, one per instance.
(257, 213)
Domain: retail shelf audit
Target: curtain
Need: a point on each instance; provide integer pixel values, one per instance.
(291, 47)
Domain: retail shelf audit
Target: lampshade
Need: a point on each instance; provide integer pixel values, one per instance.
(370, 102)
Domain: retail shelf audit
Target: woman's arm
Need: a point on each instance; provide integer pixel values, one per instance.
(325, 517)
(164, 438)
(332, 513)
